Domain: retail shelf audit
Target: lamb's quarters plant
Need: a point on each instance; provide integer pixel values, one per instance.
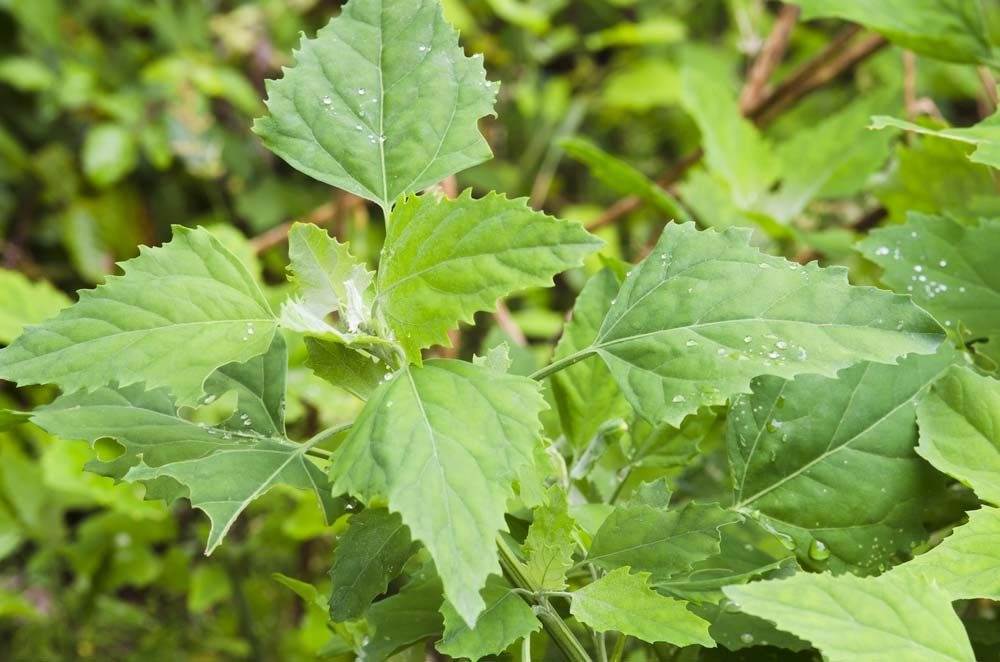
(478, 504)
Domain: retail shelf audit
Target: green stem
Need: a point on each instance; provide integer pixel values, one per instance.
(322, 436)
(561, 364)
(554, 625)
(619, 651)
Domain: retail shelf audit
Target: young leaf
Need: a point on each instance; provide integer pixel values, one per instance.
(381, 103)
(447, 259)
(985, 136)
(260, 389)
(354, 371)
(367, 557)
(624, 602)
(705, 312)
(548, 547)
(506, 619)
(25, 303)
(664, 543)
(852, 618)
(328, 279)
(946, 29)
(830, 463)
(177, 314)
(960, 430)
(443, 443)
(585, 394)
(947, 267)
(965, 564)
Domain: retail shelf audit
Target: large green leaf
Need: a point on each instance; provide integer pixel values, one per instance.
(948, 268)
(664, 543)
(965, 564)
(852, 619)
(506, 619)
(945, 29)
(447, 259)
(367, 557)
(585, 394)
(985, 136)
(177, 314)
(624, 602)
(705, 313)
(25, 303)
(222, 468)
(382, 102)
(960, 430)
(830, 463)
(443, 443)
(404, 618)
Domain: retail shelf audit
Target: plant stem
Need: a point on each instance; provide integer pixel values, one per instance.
(619, 650)
(554, 625)
(561, 364)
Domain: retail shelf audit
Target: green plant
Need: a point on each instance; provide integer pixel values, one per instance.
(823, 381)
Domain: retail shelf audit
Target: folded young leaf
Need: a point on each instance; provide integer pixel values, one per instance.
(367, 557)
(945, 29)
(548, 547)
(177, 314)
(354, 371)
(985, 136)
(948, 268)
(381, 102)
(624, 602)
(443, 443)
(506, 619)
(26, 303)
(663, 543)
(960, 430)
(830, 463)
(705, 312)
(852, 619)
(444, 260)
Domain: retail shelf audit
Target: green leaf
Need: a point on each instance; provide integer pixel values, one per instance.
(734, 148)
(948, 268)
(643, 84)
(443, 443)
(259, 385)
(25, 303)
(706, 312)
(623, 178)
(10, 418)
(222, 468)
(381, 103)
(851, 618)
(664, 543)
(624, 602)
(585, 393)
(409, 616)
(965, 564)
(352, 370)
(367, 557)
(960, 430)
(177, 314)
(951, 30)
(328, 280)
(444, 260)
(985, 136)
(548, 547)
(496, 359)
(109, 154)
(506, 619)
(830, 463)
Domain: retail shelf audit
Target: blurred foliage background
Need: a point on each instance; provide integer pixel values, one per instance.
(119, 118)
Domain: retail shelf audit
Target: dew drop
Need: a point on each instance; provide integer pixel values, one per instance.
(781, 344)
(882, 250)
(361, 91)
(818, 551)
(327, 100)
(943, 263)
(691, 343)
(678, 398)
(773, 355)
(746, 638)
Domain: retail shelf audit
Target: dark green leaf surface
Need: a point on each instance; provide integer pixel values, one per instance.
(506, 619)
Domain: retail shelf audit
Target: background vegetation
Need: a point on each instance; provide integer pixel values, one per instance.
(119, 118)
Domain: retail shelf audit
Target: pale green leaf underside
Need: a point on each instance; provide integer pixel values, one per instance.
(382, 102)
(853, 619)
(625, 603)
(506, 619)
(965, 564)
(705, 313)
(960, 430)
(443, 443)
(177, 314)
(833, 459)
(985, 136)
(444, 260)
(25, 302)
(948, 268)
